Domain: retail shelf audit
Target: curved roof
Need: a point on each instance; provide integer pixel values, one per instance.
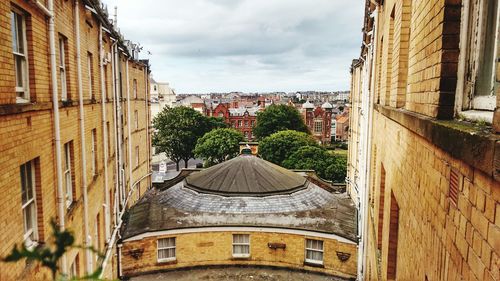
(326, 105)
(308, 105)
(246, 175)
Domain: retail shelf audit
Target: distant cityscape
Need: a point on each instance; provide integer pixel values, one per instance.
(325, 113)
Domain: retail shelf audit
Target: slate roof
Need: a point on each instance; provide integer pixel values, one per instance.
(180, 208)
(246, 175)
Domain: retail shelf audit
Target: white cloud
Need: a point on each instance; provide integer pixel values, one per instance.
(246, 45)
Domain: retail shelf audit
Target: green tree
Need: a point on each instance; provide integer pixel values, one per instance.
(177, 131)
(218, 145)
(50, 254)
(216, 122)
(278, 146)
(277, 118)
(309, 158)
(337, 170)
(327, 166)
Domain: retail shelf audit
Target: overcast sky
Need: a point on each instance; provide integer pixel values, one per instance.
(245, 45)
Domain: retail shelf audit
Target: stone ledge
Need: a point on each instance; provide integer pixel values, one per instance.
(476, 146)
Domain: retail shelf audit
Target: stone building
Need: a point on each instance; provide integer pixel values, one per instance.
(424, 163)
(318, 119)
(245, 211)
(74, 119)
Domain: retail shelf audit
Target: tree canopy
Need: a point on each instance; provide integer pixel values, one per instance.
(177, 131)
(327, 166)
(277, 118)
(218, 145)
(278, 146)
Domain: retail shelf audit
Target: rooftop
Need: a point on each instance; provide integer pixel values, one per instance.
(246, 175)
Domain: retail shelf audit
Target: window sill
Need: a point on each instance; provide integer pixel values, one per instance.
(167, 261)
(478, 116)
(314, 264)
(471, 143)
(241, 257)
(15, 108)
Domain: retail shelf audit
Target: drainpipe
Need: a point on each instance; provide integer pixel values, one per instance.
(119, 124)
(148, 121)
(81, 119)
(49, 11)
(129, 129)
(105, 137)
(115, 134)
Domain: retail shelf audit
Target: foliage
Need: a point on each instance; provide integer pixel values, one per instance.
(177, 131)
(277, 118)
(49, 255)
(327, 166)
(278, 146)
(216, 122)
(218, 145)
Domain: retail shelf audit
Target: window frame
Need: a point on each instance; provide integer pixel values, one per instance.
(322, 251)
(246, 244)
(24, 90)
(137, 156)
(136, 119)
(316, 123)
(62, 68)
(93, 151)
(134, 88)
(29, 167)
(90, 68)
(158, 249)
(470, 65)
(68, 186)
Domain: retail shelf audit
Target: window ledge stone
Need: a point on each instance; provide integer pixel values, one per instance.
(478, 116)
(471, 143)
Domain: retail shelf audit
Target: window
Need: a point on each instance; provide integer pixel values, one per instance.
(381, 203)
(30, 236)
(68, 182)
(252, 123)
(480, 30)
(73, 270)
(154, 86)
(19, 50)
(241, 245)
(246, 123)
(90, 70)
(136, 119)
(314, 251)
(97, 237)
(239, 123)
(62, 68)
(137, 156)
(166, 249)
(108, 132)
(134, 88)
(93, 143)
(318, 126)
(393, 239)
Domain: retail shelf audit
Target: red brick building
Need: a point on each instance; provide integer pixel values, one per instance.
(318, 120)
(242, 119)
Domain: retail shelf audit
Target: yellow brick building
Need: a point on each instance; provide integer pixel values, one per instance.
(245, 212)
(74, 125)
(424, 145)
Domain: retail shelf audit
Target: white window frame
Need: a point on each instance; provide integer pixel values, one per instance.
(158, 249)
(471, 106)
(318, 124)
(238, 244)
(28, 181)
(317, 250)
(62, 68)
(89, 73)
(68, 180)
(93, 135)
(22, 92)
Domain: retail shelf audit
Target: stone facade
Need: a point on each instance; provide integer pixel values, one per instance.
(426, 181)
(28, 132)
(215, 248)
(318, 120)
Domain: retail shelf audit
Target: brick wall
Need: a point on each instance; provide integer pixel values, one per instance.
(215, 248)
(27, 133)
